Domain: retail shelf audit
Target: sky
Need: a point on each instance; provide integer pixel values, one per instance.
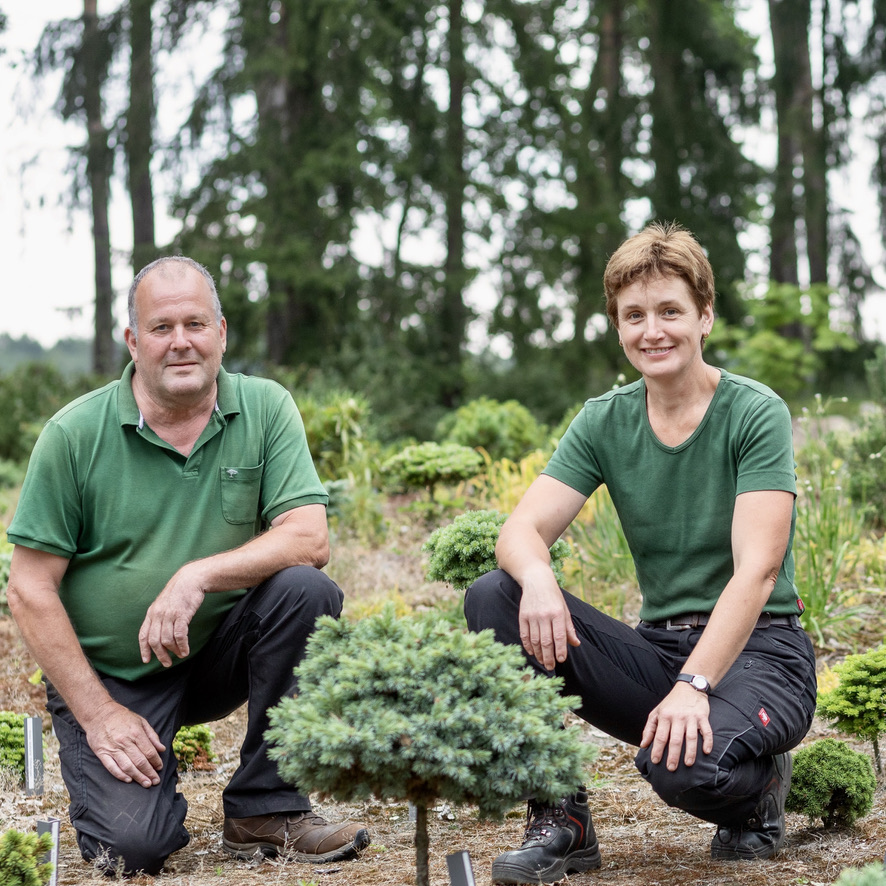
(47, 249)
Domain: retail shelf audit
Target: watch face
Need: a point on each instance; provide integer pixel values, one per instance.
(700, 683)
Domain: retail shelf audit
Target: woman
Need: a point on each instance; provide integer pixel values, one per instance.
(717, 682)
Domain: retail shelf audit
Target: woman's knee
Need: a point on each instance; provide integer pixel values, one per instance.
(491, 599)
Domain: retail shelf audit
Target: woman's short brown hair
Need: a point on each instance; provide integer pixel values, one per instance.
(662, 249)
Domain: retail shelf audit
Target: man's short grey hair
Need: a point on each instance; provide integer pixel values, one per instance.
(160, 263)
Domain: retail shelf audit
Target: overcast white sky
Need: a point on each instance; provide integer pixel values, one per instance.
(47, 251)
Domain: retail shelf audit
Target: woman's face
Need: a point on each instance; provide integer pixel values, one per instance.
(660, 327)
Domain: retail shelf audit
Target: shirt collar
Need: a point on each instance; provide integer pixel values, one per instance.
(227, 401)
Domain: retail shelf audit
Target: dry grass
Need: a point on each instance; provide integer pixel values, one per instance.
(643, 842)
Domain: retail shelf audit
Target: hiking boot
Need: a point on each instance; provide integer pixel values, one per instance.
(762, 834)
(300, 836)
(559, 840)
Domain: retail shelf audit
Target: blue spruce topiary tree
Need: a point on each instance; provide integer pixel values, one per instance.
(416, 709)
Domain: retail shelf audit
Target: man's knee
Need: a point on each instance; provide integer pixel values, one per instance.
(138, 848)
(307, 589)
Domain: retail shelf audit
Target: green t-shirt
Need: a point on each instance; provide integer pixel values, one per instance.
(128, 510)
(676, 503)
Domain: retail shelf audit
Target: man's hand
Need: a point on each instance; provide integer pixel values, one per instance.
(165, 628)
(682, 715)
(126, 744)
(546, 628)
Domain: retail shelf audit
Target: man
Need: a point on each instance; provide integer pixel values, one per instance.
(168, 545)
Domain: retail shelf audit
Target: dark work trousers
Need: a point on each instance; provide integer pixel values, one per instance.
(763, 706)
(251, 656)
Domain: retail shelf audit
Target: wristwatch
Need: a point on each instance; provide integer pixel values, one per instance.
(696, 681)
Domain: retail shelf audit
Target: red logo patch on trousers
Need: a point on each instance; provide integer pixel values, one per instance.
(764, 717)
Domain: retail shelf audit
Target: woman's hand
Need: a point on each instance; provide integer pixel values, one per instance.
(546, 628)
(681, 717)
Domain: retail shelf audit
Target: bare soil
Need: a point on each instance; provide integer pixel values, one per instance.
(643, 842)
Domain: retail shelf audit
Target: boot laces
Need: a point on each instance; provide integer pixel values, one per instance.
(542, 819)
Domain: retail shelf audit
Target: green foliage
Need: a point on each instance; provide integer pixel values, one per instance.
(857, 704)
(867, 471)
(504, 430)
(762, 350)
(336, 426)
(12, 742)
(30, 394)
(424, 465)
(828, 531)
(870, 875)
(20, 859)
(192, 746)
(600, 543)
(463, 550)
(5, 563)
(415, 709)
(831, 782)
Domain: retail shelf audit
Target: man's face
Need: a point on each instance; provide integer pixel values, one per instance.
(178, 346)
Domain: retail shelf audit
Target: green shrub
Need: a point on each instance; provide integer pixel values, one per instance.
(192, 746)
(463, 550)
(20, 859)
(867, 468)
(504, 430)
(857, 704)
(336, 426)
(416, 709)
(12, 742)
(831, 782)
(869, 875)
(5, 563)
(425, 465)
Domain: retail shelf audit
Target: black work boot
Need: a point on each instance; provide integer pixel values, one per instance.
(763, 833)
(559, 840)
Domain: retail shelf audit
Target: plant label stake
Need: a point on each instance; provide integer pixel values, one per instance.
(33, 756)
(460, 871)
(51, 826)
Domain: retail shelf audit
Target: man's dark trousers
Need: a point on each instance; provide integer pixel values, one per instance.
(763, 706)
(250, 656)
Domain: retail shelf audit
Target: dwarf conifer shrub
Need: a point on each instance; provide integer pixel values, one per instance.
(869, 875)
(463, 550)
(831, 782)
(192, 747)
(20, 856)
(425, 465)
(857, 704)
(414, 709)
(12, 742)
(504, 430)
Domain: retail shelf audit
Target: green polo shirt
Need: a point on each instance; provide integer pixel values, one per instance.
(676, 503)
(128, 510)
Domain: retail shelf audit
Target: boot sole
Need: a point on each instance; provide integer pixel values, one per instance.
(246, 851)
(576, 862)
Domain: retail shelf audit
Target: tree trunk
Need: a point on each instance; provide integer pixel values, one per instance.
(139, 128)
(453, 316)
(422, 844)
(98, 168)
(789, 23)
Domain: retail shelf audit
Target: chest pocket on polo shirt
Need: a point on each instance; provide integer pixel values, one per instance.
(240, 493)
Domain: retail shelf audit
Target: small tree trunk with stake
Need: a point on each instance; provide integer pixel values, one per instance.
(877, 760)
(422, 846)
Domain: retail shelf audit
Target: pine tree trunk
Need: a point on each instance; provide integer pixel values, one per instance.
(139, 134)
(422, 843)
(98, 167)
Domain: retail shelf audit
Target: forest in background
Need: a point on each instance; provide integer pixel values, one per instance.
(416, 200)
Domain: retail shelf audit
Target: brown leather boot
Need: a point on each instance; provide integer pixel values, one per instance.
(299, 836)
